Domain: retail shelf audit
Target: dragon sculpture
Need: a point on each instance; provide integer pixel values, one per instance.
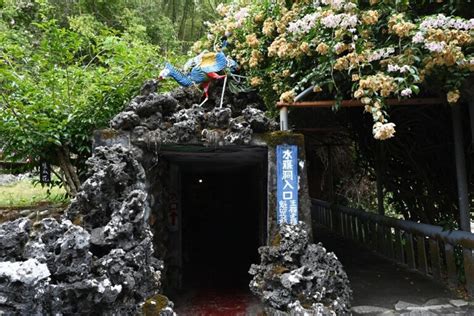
(202, 70)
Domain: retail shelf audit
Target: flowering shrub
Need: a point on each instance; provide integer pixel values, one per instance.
(368, 50)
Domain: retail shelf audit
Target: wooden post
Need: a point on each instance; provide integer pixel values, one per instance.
(463, 197)
(410, 250)
(422, 260)
(451, 270)
(468, 257)
(435, 259)
(399, 253)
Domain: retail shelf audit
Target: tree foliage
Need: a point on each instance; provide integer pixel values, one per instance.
(60, 82)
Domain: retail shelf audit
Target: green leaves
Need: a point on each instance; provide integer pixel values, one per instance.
(59, 83)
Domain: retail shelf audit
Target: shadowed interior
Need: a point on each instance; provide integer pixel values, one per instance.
(223, 195)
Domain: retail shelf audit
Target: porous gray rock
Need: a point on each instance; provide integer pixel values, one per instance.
(258, 120)
(13, 237)
(219, 118)
(176, 117)
(125, 120)
(105, 266)
(186, 97)
(295, 276)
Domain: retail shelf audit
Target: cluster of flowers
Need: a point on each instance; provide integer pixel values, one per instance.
(344, 50)
(305, 24)
(342, 20)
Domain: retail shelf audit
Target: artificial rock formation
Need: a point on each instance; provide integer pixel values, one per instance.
(176, 118)
(103, 266)
(99, 258)
(299, 278)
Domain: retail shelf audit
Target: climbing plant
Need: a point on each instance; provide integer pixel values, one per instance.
(367, 50)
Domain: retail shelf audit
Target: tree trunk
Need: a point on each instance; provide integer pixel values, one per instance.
(182, 26)
(193, 16)
(72, 182)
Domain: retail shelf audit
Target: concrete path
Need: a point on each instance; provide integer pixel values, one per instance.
(383, 288)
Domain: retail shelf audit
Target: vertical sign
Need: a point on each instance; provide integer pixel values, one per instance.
(45, 172)
(287, 184)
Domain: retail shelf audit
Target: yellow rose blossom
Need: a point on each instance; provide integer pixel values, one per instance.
(230, 27)
(259, 18)
(256, 81)
(341, 64)
(453, 96)
(397, 25)
(359, 93)
(288, 96)
(370, 17)
(322, 48)
(286, 73)
(252, 40)
(275, 46)
(379, 83)
(268, 27)
(461, 37)
(286, 18)
(304, 47)
(255, 58)
(383, 131)
(341, 48)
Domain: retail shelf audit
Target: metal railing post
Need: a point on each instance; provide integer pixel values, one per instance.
(461, 178)
(284, 118)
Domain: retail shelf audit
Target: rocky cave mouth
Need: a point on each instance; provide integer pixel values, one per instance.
(216, 215)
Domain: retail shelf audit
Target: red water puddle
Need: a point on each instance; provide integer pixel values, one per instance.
(218, 303)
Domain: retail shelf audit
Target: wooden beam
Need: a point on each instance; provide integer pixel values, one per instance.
(357, 103)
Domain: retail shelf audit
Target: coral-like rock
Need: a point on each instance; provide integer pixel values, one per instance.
(104, 267)
(125, 120)
(172, 118)
(13, 237)
(297, 277)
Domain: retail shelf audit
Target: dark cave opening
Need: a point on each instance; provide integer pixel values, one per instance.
(220, 227)
(222, 195)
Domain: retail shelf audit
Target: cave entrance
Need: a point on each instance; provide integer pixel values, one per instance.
(221, 206)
